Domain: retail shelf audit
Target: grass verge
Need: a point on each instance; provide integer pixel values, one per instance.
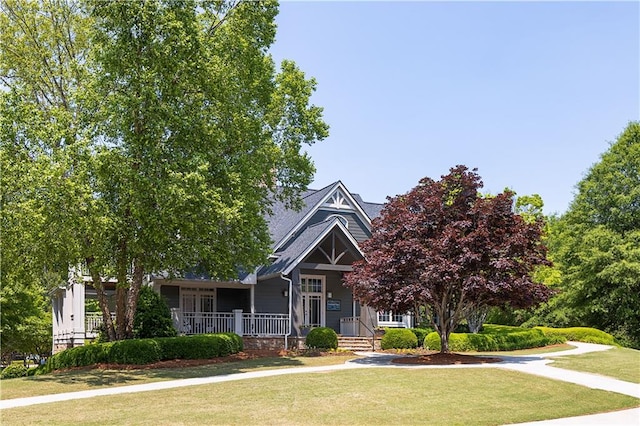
(620, 363)
(86, 379)
(485, 396)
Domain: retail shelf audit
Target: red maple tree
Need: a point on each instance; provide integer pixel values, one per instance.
(445, 247)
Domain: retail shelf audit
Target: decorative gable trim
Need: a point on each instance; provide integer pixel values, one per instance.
(338, 199)
(336, 224)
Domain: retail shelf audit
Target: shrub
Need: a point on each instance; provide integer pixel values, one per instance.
(578, 334)
(399, 338)
(238, 343)
(146, 351)
(322, 338)
(153, 317)
(135, 351)
(14, 370)
(492, 338)
(421, 333)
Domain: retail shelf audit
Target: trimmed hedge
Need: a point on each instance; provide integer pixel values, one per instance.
(492, 338)
(399, 338)
(13, 371)
(421, 334)
(146, 351)
(578, 334)
(322, 338)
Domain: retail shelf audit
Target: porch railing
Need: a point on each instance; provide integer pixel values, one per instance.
(243, 324)
(265, 324)
(206, 322)
(93, 321)
(350, 326)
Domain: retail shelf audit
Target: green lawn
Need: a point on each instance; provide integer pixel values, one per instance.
(483, 396)
(621, 363)
(79, 380)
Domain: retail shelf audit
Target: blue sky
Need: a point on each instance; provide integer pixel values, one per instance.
(530, 93)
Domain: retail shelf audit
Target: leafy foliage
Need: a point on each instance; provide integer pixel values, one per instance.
(399, 338)
(494, 338)
(580, 334)
(153, 317)
(444, 247)
(13, 371)
(145, 136)
(321, 338)
(145, 351)
(596, 246)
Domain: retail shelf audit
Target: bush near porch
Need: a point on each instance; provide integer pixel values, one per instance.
(146, 351)
(321, 338)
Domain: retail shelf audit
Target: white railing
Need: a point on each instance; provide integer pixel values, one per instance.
(93, 321)
(206, 322)
(243, 324)
(265, 324)
(350, 326)
(391, 320)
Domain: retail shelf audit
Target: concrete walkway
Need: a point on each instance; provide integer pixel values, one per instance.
(530, 364)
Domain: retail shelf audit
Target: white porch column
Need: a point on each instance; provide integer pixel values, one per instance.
(77, 313)
(237, 322)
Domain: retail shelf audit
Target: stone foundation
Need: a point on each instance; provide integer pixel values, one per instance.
(272, 343)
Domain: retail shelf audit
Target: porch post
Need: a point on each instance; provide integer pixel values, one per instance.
(237, 322)
(77, 313)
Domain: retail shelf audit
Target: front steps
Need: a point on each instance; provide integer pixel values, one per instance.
(357, 344)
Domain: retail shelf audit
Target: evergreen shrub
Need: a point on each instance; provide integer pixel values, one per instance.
(153, 316)
(13, 371)
(134, 351)
(322, 338)
(146, 351)
(578, 334)
(421, 334)
(399, 338)
(492, 338)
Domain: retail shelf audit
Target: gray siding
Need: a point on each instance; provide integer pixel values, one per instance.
(269, 297)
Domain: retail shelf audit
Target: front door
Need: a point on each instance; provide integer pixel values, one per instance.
(312, 300)
(198, 308)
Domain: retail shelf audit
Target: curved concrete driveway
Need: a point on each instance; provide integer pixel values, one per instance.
(531, 364)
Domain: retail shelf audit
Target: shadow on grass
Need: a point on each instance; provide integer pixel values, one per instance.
(100, 378)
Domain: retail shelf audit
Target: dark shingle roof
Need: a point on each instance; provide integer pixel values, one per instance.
(303, 243)
(283, 219)
(371, 209)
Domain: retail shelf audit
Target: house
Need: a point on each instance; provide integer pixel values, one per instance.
(301, 288)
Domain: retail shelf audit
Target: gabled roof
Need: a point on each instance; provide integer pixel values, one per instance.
(283, 219)
(284, 223)
(303, 245)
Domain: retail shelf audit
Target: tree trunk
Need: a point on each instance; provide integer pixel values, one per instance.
(102, 301)
(132, 297)
(476, 318)
(121, 291)
(444, 343)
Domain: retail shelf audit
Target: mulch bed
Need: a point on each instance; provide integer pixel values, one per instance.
(435, 358)
(444, 359)
(183, 363)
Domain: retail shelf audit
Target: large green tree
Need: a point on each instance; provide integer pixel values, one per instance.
(596, 244)
(161, 132)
